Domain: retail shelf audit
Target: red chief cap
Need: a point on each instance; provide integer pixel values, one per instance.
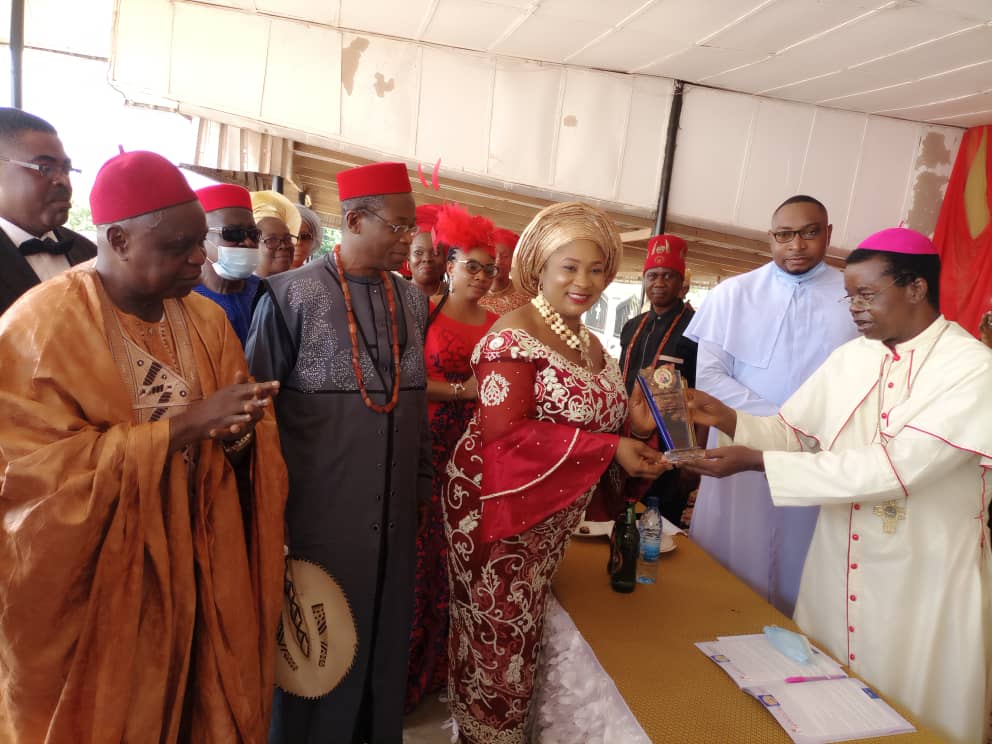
(224, 196)
(666, 252)
(372, 180)
(900, 240)
(136, 183)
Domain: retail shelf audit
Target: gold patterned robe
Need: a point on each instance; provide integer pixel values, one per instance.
(140, 590)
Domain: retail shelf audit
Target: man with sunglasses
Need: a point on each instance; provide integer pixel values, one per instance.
(35, 197)
(760, 335)
(232, 254)
(345, 337)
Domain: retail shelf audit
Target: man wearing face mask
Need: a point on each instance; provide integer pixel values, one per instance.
(232, 254)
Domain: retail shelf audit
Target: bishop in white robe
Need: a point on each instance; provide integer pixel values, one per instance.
(890, 437)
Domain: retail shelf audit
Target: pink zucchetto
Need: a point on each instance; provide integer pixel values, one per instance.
(900, 240)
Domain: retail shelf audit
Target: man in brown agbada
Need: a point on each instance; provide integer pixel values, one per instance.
(141, 491)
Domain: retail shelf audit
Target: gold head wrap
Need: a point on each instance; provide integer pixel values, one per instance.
(553, 227)
(273, 204)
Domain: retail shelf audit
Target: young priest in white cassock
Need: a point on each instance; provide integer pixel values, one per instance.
(891, 438)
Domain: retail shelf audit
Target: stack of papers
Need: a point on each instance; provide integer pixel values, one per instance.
(815, 703)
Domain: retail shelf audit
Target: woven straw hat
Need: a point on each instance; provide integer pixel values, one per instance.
(317, 640)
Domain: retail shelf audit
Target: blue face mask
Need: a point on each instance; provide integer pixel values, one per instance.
(235, 262)
(792, 645)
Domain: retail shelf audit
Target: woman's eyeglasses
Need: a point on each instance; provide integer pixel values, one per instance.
(274, 242)
(237, 234)
(473, 267)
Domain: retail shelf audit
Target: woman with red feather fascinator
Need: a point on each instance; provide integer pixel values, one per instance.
(456, 324)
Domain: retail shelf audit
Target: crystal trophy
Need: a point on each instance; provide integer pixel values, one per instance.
(664, 389)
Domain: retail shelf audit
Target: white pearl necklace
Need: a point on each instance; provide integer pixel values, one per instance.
(579, 341)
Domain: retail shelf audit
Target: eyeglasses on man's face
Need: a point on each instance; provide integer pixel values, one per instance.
(45, 169)
(473, 267)
(237, 233)
(397, 229)
(275, 242)
(806, 233)
(864, 300)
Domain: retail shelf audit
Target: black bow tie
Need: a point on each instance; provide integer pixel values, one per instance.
(35, 246)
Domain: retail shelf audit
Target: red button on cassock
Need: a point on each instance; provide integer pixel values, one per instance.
(854, 565)
(850, 628)
(854, 597)
(855, 537)
(857, 507)
(852, 657)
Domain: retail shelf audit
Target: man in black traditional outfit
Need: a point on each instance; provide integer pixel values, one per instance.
(344, 336)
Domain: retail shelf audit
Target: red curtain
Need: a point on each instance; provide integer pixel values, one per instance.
(966, 259)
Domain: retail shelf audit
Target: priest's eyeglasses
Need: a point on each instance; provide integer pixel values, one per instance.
(473, 267)
(410, 229)
(47, 170)
(864, 300)
(237, 233)
(787, 236)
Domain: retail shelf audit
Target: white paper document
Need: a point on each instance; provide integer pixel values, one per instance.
(828, 711)
(751, 660)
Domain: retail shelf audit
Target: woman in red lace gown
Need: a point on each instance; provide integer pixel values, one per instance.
(542, 447)
(457, 322)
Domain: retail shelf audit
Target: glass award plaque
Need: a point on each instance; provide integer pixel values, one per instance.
(664, 389)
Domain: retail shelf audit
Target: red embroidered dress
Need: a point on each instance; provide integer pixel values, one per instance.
(537, 448)
(447, 354)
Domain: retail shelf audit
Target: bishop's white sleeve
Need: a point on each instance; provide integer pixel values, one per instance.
(715, 375)
(873, 473)
(768, 433)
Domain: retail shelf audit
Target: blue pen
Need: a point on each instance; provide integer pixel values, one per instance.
(666, 438)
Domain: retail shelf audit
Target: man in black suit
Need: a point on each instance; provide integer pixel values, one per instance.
(35, 195)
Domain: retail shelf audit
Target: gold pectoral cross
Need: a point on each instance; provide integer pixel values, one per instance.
(891, 513)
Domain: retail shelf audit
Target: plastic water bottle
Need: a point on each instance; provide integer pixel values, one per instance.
(650, 528)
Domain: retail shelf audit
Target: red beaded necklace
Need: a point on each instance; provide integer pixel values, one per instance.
(661, 346)
(353, 332)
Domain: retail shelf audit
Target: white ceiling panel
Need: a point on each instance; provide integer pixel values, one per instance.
(644, 149)
(832, 164)
(594, 115)
(974, 119)
(627, 49)
(884, 32)
(696, 20)
(887, 157)
(324, 11)
(143, 45)
(979, 10)
(195, 49)
(387, 17)
(714, 134)
(775, 161)
(951, 108)
(971, 79)
(304, 53)
(521, 147)
(697, 62)
(380, 81)
(778, 25)
(460, 85)
(549, 38)
(472, 24)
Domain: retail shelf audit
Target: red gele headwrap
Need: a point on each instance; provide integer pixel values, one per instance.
(505, 237)
(666, 252)
(372, 180)
(224, 196)
(456, 228)
(136, 183)
(427, 216)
